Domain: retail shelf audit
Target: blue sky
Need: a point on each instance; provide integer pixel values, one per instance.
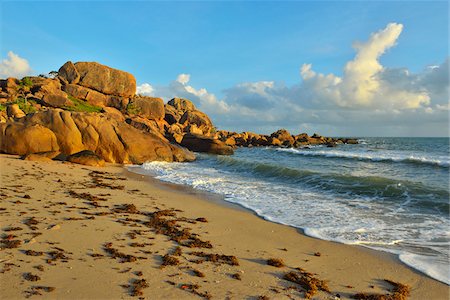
(222, 45)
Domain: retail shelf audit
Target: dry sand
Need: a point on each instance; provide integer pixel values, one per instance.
(98, 248)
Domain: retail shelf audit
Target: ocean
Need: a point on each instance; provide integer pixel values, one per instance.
(390, 194)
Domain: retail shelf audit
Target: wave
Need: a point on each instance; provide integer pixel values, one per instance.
(371, 187)
(369, 157)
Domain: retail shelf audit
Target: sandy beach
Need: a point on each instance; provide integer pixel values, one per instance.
(77, 232)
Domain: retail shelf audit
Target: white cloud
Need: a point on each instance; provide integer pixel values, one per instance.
(363, 84)
(183, 78)
(201, 97)
(14, 66)
(145, 89)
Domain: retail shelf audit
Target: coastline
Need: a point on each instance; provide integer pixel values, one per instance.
(231, 229)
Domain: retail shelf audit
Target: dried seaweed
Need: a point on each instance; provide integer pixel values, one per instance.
(308, 282)
(218, 258)
(31, 277)
(114, 253)
(399, 292)
(168, 260)
(276, 262)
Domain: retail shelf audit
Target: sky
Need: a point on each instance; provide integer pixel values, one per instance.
(339, 68)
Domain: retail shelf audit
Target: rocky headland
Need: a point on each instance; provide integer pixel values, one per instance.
(92, 112)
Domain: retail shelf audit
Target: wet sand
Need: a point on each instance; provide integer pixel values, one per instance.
(77, 232)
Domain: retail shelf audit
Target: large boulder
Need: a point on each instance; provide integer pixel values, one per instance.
(10, 86)
(86, 157)
(68, 73)
(56, 100)
(91, 96)
(147, 107)
(18, 138)
(72, 132)
(284, 137)
(200, 119)
(104, 79)
(42, 156)
(181, 104)
(200, 143)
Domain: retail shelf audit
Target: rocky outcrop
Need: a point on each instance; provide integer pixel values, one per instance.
(99, 77)
(200, 143)
(280, 138)
(71, 132)
(183, 118)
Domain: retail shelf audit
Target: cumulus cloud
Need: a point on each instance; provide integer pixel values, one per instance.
(365, 82)
(181, 88)
(14, 66)
(145, 89)
(367, 99)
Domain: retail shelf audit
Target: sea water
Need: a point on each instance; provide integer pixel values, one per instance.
(390, 194)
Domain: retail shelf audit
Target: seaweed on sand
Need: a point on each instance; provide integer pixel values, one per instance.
(193, 288)
(168, 260)
(399, 292)
(114, 253)
(308, 282)
(218, 258)
(276, 262)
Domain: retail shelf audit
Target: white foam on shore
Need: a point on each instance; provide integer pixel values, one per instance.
(428, 266)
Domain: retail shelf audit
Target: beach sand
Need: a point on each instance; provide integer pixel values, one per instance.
(87, 242)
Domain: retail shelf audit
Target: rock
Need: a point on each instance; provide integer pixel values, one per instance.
(150, 126)
(331, 144)
(68, 73)
(284, 137)
(42, 156)
(171, 115)
(10, 85)
(54, 100)
(231, 141)
(114, 113)
(182, 104)
(14, 111)
(17, 138)
(118, 102)
(274, 142)
(200, 119)
(89, 95)
(350, 141)
(193, 129)
(146, 107)
(42, 86)
(86, 157)
(72, 132)
(199, 143)
(303, 137)
(106, 80)
(36, 157)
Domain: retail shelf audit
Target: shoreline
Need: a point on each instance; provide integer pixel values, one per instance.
(218, 199)
(89, 271)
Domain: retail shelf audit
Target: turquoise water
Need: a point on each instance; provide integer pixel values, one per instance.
(385, 193)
